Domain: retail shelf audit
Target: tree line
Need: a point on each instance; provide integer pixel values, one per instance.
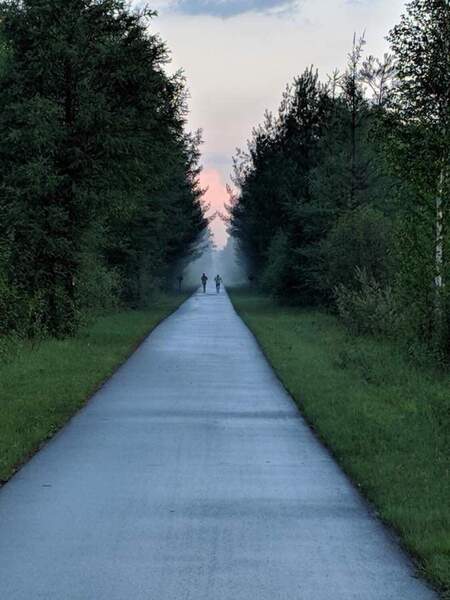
(343, 194)
(99, 192)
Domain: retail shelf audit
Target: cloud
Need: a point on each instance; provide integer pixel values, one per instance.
(228, 8)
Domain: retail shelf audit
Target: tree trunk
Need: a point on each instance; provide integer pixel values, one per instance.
(353, 151)
(439, 282)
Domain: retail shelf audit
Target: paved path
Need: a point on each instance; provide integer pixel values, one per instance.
(191, 476)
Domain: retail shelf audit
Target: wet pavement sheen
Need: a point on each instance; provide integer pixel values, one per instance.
(191, 476)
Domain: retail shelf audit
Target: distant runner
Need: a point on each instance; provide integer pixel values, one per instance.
(218, 280)
(204, 282)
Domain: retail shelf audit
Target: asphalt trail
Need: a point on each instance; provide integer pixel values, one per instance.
(191, 476)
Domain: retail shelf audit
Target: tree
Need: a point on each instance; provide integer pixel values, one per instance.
(421, 150)
(353, 96)
(95, 160)
(274, 183)
(380, 76)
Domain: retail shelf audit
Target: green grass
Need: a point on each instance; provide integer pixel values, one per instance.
(386, 420)
(42, 388)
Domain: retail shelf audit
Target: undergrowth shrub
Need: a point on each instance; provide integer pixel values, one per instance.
(274, 276)
(9, 307)
(360, 240)
(369, 308)
(97, 287)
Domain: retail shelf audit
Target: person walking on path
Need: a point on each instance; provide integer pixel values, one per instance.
(204, 282)
(218, 280)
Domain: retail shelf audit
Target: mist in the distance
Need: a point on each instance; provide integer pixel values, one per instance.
(226, 263)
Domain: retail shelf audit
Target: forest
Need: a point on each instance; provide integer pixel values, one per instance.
(99, 191)
(342, 195)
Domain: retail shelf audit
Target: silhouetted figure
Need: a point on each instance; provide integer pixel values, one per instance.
(204, 282)
(180, 281)
(251, 278)
(218, 280)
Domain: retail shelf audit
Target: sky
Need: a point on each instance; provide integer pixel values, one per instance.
(238, 55)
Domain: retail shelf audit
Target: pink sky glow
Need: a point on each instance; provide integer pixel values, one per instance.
(238, 56)
(216, 196)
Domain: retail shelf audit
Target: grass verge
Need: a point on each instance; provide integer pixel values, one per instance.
(386, 421)
(42, 388)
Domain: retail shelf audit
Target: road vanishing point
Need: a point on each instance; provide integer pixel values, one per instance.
(191, 475)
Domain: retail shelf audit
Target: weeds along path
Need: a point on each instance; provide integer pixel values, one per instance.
(192, 475)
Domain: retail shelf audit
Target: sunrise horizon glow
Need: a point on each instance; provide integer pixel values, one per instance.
(238, 56)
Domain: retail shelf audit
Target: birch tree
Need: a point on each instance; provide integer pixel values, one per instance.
(421, 46)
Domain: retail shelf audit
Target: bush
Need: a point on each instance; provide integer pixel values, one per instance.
(275, 273)
(97, 288)
(9, 348)
(9, 311)
(361, 239)
(369, 309)
(21, 316)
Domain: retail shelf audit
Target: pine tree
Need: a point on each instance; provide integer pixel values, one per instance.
(273, 208)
